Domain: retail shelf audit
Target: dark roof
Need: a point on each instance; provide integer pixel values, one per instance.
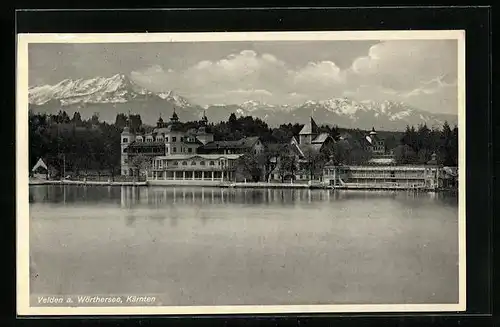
(136, 144)
(321, 138)
(314, 148)
(243, 143)
(276, 147)
(171, 127)
(310, 128)
(194, 141)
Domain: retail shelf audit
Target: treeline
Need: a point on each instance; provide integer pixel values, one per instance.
(94, 145)
(418, 145)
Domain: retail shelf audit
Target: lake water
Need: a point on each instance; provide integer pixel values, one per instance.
(210, 246)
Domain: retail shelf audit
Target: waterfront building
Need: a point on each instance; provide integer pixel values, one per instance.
(179, 156)
(40, 170)
(194, 168)
(429, 176)
(307, 152)
(165, 139)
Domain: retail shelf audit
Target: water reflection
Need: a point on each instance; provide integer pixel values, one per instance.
(212, 246)
(160, 197)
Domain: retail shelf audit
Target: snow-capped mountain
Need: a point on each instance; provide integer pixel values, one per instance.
(345, 112)
(115, 89)
(109, 96)
(119, 94)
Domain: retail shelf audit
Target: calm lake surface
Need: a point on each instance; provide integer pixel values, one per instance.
(211, 246)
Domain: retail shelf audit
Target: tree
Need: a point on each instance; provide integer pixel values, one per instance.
(77, 119)
(250, 166)
(287, 165)
(135, 123)
(341, 152)
(141, 164)
(404, 154)
(121, 121)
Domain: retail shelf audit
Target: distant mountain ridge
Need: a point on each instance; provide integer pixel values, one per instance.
(120, 94)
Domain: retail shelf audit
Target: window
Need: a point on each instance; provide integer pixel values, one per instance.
(174, 139)
(182, 139)
(125, 140)
(176, 163)
(166, 138)
(212, 163)
(190, 150)
(174, 150)
(202, 163)
(193, 163)
(184, 163)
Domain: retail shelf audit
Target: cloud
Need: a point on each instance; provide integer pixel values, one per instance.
(318, 74)
(252, 92)
(422, 72)
(405, 64)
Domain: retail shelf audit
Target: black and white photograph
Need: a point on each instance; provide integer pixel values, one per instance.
(188, 173)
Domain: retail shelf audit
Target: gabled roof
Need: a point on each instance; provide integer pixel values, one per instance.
(310, 148)
(309, 129)
(321, 138)
(40, 164)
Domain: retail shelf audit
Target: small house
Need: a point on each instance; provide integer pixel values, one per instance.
(40, 170)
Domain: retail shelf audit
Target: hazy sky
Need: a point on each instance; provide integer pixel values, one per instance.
(421, 73)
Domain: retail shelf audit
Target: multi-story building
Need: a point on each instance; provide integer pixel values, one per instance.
(165, 139)
(374, 143)
(182, 156)
(430, 176)
(307, 151)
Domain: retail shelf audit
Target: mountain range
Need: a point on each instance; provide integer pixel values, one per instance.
(119, 94)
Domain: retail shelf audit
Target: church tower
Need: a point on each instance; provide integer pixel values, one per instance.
(308, 132)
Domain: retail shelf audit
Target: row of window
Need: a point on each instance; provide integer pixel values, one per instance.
(160, 139)
(174, 150)
(193, 163)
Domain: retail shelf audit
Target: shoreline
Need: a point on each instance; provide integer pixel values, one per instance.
(253, 185)
(86, 183)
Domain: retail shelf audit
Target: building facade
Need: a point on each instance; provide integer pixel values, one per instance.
(374, 143)
(179, 156)
(308, 152)
(165, 139)
(429, 177)
(177, 168)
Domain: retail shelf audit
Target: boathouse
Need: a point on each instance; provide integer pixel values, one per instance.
(194, 169)
(40, 170)
(430, 176)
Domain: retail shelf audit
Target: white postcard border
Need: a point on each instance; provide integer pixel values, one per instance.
(22, 178)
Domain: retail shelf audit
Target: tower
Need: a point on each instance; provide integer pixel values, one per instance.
(308, 132)
(126, 139)
(203, 134)
(174, 119)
